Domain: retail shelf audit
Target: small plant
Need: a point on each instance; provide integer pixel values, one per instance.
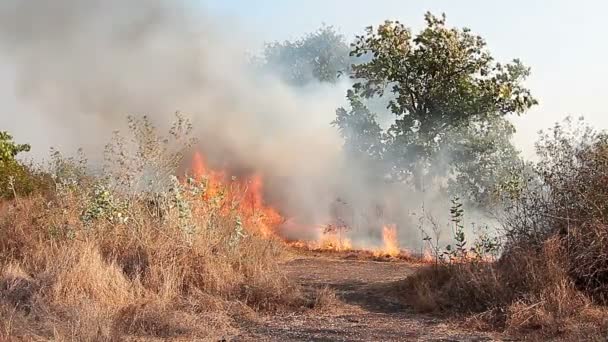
(69, 173)
(144, 162)
(485, 245)
(180, 202)
(104, 205)
(238, 235)
(432, 241)
(458, 250)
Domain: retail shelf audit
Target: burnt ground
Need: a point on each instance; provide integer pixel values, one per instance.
(367, 308)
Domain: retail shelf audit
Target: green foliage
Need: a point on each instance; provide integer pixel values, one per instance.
(442, 77)
(460, 242)
(69, 173)
(180, 202)
(361, 132)
(17, 178)
(485, 245)
(449, 98)
(102, 204)
(482, 159)
(9, 149)
(320, 56)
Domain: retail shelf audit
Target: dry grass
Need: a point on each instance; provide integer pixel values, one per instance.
(145, 279)
(552, 279)
(133, 254)
(528, 292)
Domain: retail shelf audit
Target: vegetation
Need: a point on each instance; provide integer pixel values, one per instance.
(449, 99)
(138, 252)
(321, 56)
(550, 279)
(15, 177)
(451, 103)
(9, 149)
(138, 255)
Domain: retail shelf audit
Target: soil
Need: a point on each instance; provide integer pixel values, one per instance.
(367, 307)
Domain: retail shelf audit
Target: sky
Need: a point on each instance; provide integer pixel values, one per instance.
(564, 42)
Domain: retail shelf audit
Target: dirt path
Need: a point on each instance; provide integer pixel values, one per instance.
(367, 309)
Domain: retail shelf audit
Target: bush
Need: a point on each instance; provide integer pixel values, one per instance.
(570, 203)
(16, 178)
(552, 276)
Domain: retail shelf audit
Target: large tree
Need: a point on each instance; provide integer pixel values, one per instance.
(449, 98)
(322, 56)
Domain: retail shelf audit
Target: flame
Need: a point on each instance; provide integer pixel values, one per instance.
(266, 218)
(246, 197)
(427, 256)
(335, 242)
(391, 243)
(198, 165)
(213, 179)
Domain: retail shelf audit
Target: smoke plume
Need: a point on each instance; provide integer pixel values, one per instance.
(78, 67)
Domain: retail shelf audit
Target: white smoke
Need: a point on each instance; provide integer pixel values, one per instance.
(78, 67)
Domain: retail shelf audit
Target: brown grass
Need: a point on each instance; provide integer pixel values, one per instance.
(528, 292)
(144, 279)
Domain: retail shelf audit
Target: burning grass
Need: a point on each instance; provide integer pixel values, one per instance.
(97, 259)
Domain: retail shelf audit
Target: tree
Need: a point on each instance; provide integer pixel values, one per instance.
(361, 132)
(322, 56)
(9, 149)
(442, 79)
(482, 159)
(449, 98)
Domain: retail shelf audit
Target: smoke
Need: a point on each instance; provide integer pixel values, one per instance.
(78, 67)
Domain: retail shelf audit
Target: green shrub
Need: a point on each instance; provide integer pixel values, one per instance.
(17, 178)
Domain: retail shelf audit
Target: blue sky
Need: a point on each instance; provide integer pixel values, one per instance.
(565, 42)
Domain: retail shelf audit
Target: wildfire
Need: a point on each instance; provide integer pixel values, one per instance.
(214, 179)
(391, 243)
(247, 194)
(427, 256)
(246, 197)
(335, 242)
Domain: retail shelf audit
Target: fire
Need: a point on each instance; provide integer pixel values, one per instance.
(335, 242)
(245, 196)
(214, 179)
(427, 256)
(391, 243)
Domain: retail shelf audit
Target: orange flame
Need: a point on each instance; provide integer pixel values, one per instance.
(427, 256)
(391, 243)
(198, 165)
(245, 198)
(247, 195)
(335, 242)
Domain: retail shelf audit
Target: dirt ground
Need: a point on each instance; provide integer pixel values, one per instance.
(366, 309)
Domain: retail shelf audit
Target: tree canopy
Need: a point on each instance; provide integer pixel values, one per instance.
(319, 56)
(448, 95)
